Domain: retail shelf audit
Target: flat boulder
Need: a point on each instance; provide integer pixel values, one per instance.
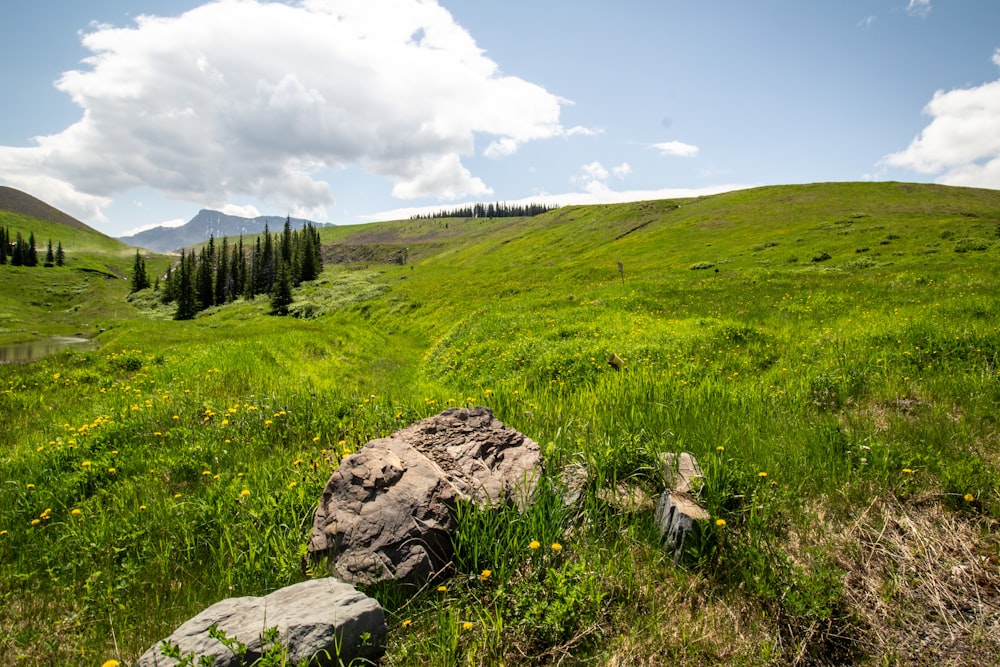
(322, 620)
(388, 511)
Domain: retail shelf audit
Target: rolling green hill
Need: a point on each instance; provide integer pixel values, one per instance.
(830, 353)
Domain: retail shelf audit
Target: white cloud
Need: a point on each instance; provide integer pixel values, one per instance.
(961, 145)
(919, 8)
(252, 97)
(622, 170)
(677, 148)
(244, 211)
(867, 22)
(174, 222)
(996, 57)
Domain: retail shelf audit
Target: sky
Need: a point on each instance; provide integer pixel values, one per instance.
(129, 114)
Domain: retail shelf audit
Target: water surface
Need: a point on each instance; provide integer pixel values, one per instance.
(22, 353)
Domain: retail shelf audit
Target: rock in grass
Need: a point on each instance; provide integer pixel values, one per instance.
(677, 513)
(323, 620)
(677, 517)
(387, 513)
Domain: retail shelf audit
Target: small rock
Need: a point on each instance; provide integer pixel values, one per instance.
(313, 618)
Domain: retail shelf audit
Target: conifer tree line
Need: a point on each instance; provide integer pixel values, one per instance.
(17, 251)
(496, 210)
(220, 273)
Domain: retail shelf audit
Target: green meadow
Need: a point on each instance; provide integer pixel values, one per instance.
(830, 353)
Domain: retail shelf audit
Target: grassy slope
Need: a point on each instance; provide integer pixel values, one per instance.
(80, 297)
(833, 376)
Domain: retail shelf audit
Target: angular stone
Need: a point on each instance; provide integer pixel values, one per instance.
(681, 472)
(677, 517)
(388, 511)
(325, 620)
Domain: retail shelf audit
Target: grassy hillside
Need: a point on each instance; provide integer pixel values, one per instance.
(829, 352)
(84, 295)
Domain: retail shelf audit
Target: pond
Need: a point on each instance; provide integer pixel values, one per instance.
(22, 353)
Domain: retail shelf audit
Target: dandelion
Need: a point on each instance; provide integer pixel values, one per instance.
(110, 663)
(762, 474)
(142, 508)
(35, 522)
(268, 422)
(485, 574)
(442, 589)
(245, 493)
(2, 533)
(907, 471)
(29, 487)
(176, 417)
(85, 464)
(177, 496)
(292, 485)
(969, 497)
(556, 547)
(297, 462)
(206, 472)
(75, 512)
(720, 448)
(534, 544)
(721, 523)
(407, 622)
(111, 470)
(467, 625)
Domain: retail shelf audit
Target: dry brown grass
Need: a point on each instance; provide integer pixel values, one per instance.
(923, 582)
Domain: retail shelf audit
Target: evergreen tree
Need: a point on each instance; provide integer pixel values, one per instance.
(50, 258)
(31, 255)
(205, 275)
(281, 294)
(222, 286)
(140, 279)
(60, 255)
(187, 304)
(4, 244)
(17, 251)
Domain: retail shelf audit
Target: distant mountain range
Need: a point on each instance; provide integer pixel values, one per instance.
(206, 224)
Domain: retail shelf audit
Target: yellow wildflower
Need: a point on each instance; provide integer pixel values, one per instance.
(407, 622)
(556, 546)
(176, 496)
(467, 625)
(110, 663)
(969, 497)
(35, 522)
(762, 474)
(75, 512)
(245, 493)
(721, 523)
(534, 544)
(442, 589)
(907, 471)
(485, 574)
(29, 486)
(86, 464)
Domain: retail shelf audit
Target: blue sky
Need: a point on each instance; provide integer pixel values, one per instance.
(130, 114)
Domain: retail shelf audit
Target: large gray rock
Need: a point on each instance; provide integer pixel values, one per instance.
(315, 619)
(388, 511)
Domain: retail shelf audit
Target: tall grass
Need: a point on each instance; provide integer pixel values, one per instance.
(181, 462)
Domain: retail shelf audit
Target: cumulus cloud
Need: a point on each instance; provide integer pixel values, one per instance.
(919, 8)
(594, 176)
(677, 148)
(254, 97)
(961, 144)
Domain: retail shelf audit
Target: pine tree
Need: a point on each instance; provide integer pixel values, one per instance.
(4, 244)
(140, 279)
(50, 258)
(187, 304)
(31, 256)
(281, 295)
(205, 275)
(17, 251)
(60, 255)
(223, 288)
